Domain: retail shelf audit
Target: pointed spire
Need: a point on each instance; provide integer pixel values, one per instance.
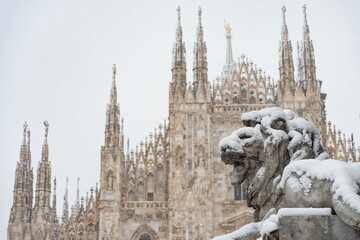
(200, 58)
(77, 201)
(179, 28)
(229, 56)
(284, 29)
(112, 126)
(199, 33)
(306, 57)
(24, 147)
(306, 31)
(24, 134)
(286, 63)
(178, 60)
(113, 94)
(65, 214)
(45, 148)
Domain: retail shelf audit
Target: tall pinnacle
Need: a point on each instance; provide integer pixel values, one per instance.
(77, 201)
(66, 202)
(284, 29)
(200, 32)
(24, 147)
(306, 30)
(45, 148)
(178, 60)
(112, 124)
(229, 56)
(200, 58)
(286, 64)
(24, 134)
(306, 57)
(179, 28)
(113, 95)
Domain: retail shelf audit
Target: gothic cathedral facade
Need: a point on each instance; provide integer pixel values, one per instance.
(174, 185)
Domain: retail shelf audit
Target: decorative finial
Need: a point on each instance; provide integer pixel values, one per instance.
(46, 124)
(25, 128)
(114, 71)
(283, 9)
(178, 12)
(199, 13)
(304, 11)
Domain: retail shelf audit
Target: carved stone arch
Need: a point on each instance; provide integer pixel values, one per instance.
(145, 232)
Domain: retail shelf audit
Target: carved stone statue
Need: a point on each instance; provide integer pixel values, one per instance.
(279, 158)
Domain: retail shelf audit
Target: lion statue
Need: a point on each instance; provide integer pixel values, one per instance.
(280, 160)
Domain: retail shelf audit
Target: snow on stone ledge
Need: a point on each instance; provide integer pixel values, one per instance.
(264, 227)
(304, 211)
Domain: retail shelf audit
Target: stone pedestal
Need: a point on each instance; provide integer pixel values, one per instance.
(313, 223)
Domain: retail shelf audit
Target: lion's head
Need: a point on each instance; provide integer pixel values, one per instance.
(259, 152)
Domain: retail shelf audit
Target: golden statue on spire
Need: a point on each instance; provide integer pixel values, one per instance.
(227, 27)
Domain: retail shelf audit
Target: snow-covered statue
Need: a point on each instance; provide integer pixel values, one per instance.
(279, 158)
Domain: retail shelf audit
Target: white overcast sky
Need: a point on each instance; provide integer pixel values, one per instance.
(56, 59)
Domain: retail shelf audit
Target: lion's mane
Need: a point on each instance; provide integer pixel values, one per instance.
(260, 151)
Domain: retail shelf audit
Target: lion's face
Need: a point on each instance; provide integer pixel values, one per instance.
(242, 149)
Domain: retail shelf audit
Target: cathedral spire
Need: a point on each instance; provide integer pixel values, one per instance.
(284, 29)
(21, 209)
(286, 64)
(306, 30)
(112, 125)
(306, 57)
(43, 183)
(200, 57)
(24, 146)
(65, 213)
(113, 95)
(45, 148)
(77, 200)
(178, 60)
(229, 55)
